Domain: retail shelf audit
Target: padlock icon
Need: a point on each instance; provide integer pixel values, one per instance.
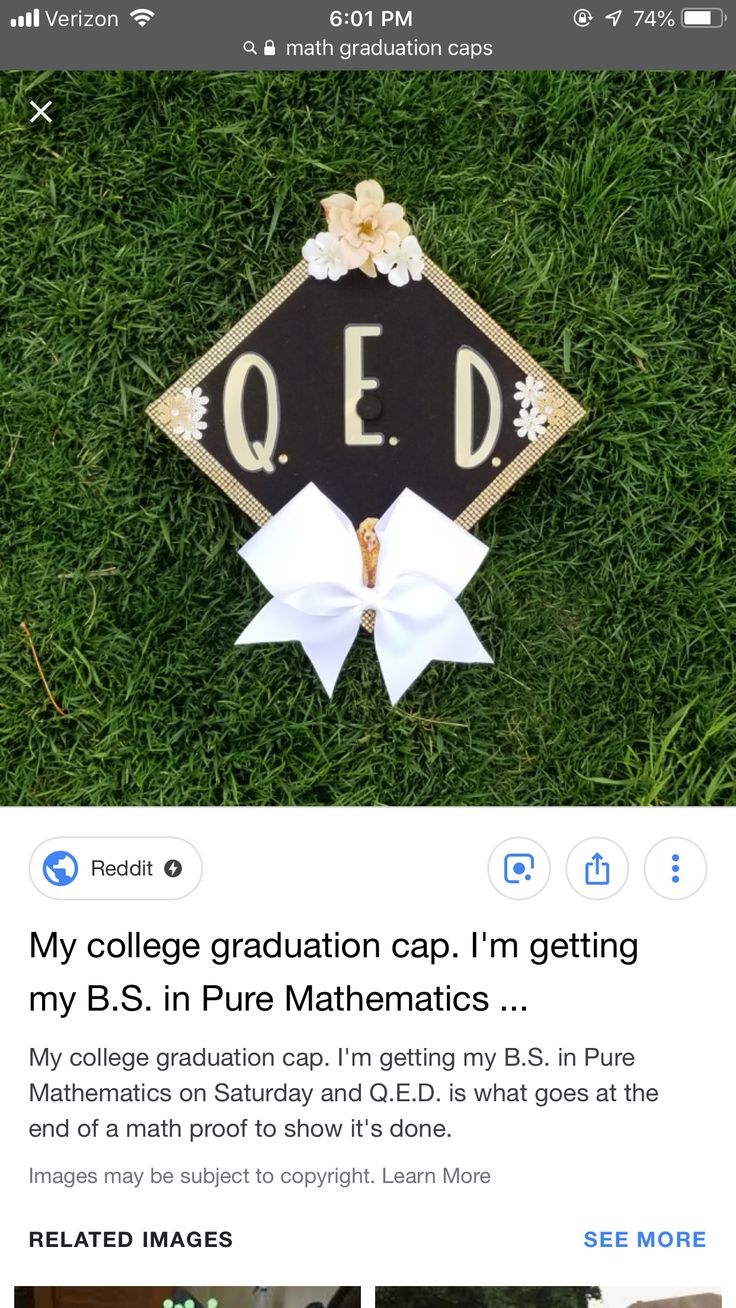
(269, 48)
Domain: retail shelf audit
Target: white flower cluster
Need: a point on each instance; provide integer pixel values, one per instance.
(533, 417)
(401, 261)
(364, 232)
(187, 412)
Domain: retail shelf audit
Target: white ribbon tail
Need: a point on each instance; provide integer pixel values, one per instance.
(326, 640)
(405, 646)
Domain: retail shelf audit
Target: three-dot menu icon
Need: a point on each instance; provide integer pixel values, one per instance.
(675, 868)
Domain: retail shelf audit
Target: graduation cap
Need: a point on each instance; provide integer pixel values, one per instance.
(366, 372)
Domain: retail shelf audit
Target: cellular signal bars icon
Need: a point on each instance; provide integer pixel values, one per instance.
(28, 19)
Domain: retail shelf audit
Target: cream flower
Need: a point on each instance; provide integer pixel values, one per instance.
(362, 224)
(187, 411)
(401, 260)
(324, 256)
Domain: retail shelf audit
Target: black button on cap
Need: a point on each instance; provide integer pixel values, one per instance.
(369, 407)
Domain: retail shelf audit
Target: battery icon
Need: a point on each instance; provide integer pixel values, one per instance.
(702, 18)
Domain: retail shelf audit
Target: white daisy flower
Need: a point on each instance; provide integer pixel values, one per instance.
(530, 423)
(190, 427)
(401, 260)
(529, 392)
(196, 398)
(324, 255)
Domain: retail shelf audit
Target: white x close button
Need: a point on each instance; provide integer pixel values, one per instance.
(41, 111)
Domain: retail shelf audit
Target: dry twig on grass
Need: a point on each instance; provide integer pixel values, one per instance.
(47, 688)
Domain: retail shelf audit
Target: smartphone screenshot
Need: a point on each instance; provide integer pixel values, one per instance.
(367, 712)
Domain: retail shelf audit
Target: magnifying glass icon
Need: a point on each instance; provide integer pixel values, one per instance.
(249, 47)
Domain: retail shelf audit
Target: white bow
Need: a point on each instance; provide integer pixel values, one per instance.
(309, 557)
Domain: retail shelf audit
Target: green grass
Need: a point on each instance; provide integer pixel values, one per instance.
(592, 214)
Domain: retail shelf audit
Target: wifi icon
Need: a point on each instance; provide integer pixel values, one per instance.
(142, 16)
